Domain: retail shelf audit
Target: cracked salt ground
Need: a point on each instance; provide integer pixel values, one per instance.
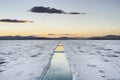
(88, 59)
(25, 60)
(59, 68)
(93, 59)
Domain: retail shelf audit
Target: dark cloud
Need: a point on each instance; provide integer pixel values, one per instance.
(46, 10)
(15, 21)
(41, 9)
(76, 13)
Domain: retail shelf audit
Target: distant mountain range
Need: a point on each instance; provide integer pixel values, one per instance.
(107, 37)
(20, 38)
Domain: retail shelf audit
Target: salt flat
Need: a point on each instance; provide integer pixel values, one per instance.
(24, 59)
(88, 59)
(93, 59)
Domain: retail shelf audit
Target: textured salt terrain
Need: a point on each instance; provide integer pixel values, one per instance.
(25, 60)
(93, 59)
(88, 59)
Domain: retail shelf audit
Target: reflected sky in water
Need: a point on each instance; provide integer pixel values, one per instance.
(59, 47)
(59, 68)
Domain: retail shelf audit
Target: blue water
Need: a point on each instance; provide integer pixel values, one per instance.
(59, 68)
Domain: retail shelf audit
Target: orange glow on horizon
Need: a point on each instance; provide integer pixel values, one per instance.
(57, 35)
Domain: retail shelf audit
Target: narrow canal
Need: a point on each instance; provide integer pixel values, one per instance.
(59, 68)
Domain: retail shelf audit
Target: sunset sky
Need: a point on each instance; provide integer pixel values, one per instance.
(91, 18)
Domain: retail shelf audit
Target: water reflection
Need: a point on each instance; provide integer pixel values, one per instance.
(59, 68)
(59, 48)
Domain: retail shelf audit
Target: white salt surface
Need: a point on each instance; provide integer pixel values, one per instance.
(88, 59)
(93, 59)
(24, 59)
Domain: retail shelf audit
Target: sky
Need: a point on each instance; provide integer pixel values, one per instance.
(92, 18)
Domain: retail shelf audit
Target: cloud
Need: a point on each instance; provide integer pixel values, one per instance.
(75, 13)
(66, 34)
(41, 9)
(46, 10)
(51, 34)
(15, 21)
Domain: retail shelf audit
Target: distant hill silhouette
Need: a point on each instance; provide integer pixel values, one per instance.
(21, 38)
(107, 37)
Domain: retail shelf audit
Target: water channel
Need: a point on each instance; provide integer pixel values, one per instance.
(59, 68)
